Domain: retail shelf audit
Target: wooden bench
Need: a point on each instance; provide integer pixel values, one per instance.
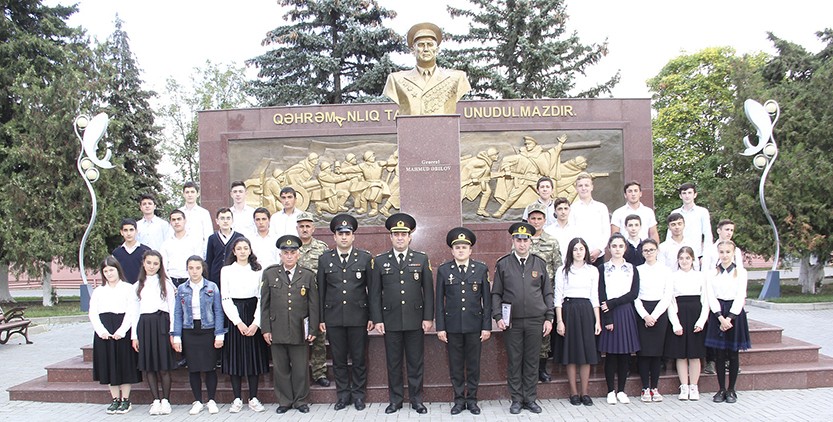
(14, 322)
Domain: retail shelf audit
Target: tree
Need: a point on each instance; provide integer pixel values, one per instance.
(520, 49)
(335, 51)
(213, 86)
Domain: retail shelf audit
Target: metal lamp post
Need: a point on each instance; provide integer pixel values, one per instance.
(765, 151)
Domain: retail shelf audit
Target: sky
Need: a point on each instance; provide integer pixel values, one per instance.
(171, 37)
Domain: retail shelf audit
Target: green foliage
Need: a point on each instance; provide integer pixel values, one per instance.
(521, 49)
(333, 51)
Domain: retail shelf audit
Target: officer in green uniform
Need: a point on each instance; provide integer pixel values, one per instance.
(523, 285)
(343, 275)
(289, 315)
(311, 249)
(464, 320)
(546, 246)
(402, 305)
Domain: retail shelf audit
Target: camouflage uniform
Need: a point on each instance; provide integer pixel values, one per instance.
(309, 259)
(546, 246)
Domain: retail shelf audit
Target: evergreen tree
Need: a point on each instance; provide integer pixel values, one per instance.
(520, 49)
(333, 51)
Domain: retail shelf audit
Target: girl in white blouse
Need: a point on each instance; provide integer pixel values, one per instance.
(111, 314)
(245, 353)
(728, 330)
(689, 309)
(152, 329)
(655, 288)
(577, 318)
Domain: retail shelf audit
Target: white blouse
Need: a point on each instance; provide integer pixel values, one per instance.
(239, 282)
(118, 299)
(581, 282)
(618, 279)
(655, 283)
(727, 285)
(688, 283)
(151, 301)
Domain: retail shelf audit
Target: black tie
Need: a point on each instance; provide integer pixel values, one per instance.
(401, 258)
(288, 275)
(523, 260)
(344, 258)
(462, 269)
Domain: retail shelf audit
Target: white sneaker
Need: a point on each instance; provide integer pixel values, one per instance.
(255, 405)
(622, 397)
(165, 407)
(212, 407)
(684, 392)
(646, 395)
(196, 408)
(611, 397)
(236, 406)
(155, 408)
(693, 392)
(655, 395)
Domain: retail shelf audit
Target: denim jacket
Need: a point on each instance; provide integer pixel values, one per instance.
(211, 308)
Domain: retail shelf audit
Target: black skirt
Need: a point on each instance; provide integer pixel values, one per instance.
(690, 345)
(624, 339)
(201, 356)
(155, 352)
(114, 361)
(245, 356)
(652, 339)
(737, 338)
(578, 345)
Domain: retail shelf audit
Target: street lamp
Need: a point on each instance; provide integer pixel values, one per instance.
(765, 151)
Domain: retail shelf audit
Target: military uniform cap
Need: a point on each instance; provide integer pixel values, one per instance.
(305, 216)
(343, 223)
(288, 241)
(425, 29)
(460, 235)
(400, 222)
(521, 230)
(536, 207)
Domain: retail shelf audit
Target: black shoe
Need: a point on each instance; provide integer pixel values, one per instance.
(719, 397)
(420, 408)
(304, 408)
(113, 407)
(393, 408)
(473, 408)
(543, 375)
(586, 400)
(533, 407)
(458, 408)
(282, 409)
(515, 408)
(575, 400)
(323, 382)
(124, 407)
(359, 404)
(341, 404)
(731, 396)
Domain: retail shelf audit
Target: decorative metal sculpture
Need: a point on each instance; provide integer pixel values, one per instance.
(88, 163)
(765, 150)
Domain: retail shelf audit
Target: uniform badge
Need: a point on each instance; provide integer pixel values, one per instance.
(534, 274)
(416, 276)
(386, 265)
(358, 275)
(303, 291)
(451, 278)
(474, 287)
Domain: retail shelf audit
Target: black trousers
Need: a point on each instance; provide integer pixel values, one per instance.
(412, 344)
(523, 345)
(464, 365)
(349, 342)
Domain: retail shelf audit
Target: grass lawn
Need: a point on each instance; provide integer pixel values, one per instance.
(792, 294)
(70, 305)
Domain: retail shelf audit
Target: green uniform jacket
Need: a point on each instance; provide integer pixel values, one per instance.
(530, 291)
(285, 304)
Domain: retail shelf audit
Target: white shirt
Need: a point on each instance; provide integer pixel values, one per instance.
(592, 221)
(152, 233)
(118, 299)
(655, 283)
(646, 216)
(265, 250)
(239, 282)
(688, 283)
(711, 257)
(727, 285)
(198, 223)
(244, 220)
(550, 212)
(618, 279)
(668, 250)
(282, 224)
(698, 227)
(563, 234)
(580, 283)
(151, 301)
(175, 253)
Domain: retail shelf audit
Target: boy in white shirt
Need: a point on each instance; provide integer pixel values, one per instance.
(668, 249)
(633, 205)
(590, 218)
(698, 226)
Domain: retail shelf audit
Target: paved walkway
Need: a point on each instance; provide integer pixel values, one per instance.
(23, 362)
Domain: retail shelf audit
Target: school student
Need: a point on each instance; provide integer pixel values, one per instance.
(633, 250)
(655, 289)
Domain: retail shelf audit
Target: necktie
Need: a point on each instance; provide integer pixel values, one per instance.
(289, 275)
(523, 261)
(401, 258)
(343, 258)
(462, 269)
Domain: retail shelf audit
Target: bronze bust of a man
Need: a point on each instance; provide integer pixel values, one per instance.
(427, 88)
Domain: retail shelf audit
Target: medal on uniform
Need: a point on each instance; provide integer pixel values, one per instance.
(534, 274)
(451, 278)
(303, 291)
(474, 287)
(358, 275)
(416, 276)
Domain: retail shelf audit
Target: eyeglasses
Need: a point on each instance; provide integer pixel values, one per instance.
(649, 250)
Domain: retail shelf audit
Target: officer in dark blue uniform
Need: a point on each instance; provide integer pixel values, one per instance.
(463, 316)
(402, 306)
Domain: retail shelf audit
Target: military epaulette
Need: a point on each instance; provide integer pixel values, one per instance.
(537, 256)
(474, 261)
(271, 266)
(307, 270)
(504, 257)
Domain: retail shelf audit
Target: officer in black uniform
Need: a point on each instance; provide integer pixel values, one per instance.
(402, 305)
(464, 318)
(343, 274)
(522, 282)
